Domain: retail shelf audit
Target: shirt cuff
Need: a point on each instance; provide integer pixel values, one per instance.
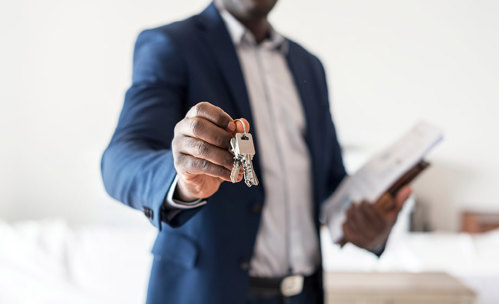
(178, 204)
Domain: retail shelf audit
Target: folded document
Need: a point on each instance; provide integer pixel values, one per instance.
(383, 170)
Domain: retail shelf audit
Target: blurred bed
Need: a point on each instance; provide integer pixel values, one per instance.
(50, 262)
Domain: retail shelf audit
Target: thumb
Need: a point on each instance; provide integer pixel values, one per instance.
(385, 203)
(240, 127)
(402, 196)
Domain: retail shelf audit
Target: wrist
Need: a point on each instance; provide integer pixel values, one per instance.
(181, 193)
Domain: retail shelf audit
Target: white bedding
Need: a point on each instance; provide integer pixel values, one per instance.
(50, 262)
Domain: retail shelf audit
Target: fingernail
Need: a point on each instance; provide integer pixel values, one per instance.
(231, 126)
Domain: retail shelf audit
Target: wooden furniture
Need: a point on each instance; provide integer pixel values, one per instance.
(478, 222)
(395, 288)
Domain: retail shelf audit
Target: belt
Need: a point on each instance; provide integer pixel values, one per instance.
(286, 286)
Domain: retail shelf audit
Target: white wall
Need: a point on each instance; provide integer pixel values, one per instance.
(65, 67)
(66, 64)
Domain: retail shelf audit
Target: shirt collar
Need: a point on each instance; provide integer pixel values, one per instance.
(240, 34)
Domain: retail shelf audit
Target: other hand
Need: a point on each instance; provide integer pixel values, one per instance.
(368, 225)
(200, 149)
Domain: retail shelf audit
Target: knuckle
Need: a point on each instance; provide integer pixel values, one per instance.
(201, 148)
(200, 108)
(196, 126)
(176, 129)
(177, 141)
(178, 160)
(178, 145)
(174, 144)
(203, 165)
(191, 164)
(175, 149)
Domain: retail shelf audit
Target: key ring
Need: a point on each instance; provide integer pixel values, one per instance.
(244, 125)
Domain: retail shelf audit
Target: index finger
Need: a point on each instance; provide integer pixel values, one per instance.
(214, 114)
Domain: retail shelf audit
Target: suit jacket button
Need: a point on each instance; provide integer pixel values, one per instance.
(245, 264)
(148, 213)
(256, 208)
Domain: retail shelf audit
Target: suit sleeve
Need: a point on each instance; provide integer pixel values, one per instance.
(137, 166)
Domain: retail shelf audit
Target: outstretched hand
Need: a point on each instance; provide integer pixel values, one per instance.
(200, 149)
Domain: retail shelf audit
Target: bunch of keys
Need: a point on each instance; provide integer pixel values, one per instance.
(244, 150)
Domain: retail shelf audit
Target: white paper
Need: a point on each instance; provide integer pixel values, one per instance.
(379, 173)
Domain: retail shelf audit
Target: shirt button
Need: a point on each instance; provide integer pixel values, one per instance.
(245, 264)
(256, 208)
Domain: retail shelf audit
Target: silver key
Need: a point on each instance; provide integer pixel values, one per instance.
(249, 174)
(244, 150)
(236, 167)
(235, 170)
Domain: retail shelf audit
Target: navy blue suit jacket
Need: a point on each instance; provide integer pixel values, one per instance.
(201, 255)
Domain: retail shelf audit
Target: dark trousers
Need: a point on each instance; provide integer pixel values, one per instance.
(312, 293)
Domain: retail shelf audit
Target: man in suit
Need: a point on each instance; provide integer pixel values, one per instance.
(220, 242)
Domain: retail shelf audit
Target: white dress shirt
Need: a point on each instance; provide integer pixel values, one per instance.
(287, 241)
